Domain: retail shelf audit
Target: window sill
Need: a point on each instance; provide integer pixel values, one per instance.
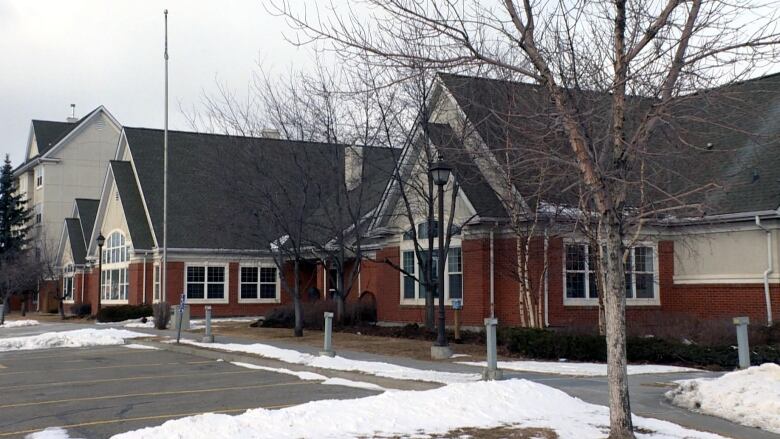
(595, 302)
(421, 303)
(240, 300)
(206, 301)
(113, 302)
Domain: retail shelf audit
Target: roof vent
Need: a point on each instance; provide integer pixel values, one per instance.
(72, 118)
(270, 133)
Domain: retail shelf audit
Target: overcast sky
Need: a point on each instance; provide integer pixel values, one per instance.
(93, 52)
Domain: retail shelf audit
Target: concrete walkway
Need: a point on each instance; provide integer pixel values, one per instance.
(647, 391)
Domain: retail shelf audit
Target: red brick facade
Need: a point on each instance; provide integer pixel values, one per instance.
(379, 278)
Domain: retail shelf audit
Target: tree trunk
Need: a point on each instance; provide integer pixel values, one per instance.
(340, 293)
(615, 311)
(297, 305)
(61, 308)
(24, 306)
(4, 309)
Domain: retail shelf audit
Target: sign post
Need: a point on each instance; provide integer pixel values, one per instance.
(180, 312)
(457, 305)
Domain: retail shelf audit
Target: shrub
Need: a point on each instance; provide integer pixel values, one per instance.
(123, 312)
(162, 314)
(552, 345)
(81, 309)
(355, 313)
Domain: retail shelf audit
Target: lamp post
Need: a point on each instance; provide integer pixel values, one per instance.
(100, 241)
(440, 173)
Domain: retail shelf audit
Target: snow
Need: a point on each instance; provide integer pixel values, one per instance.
(355, 384)
(50, 433)
(578, 369)
(749, 397)
(386, 370)
(19, 323)
(141, 346)
(311, 376)
(131, 323)
(69, 339)
(515, 403)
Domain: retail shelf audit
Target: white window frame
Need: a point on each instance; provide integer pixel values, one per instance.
(407, 246)
(68, 275)
(38, 175)
(156, 290)
(259, 266)
(121, 263)
(225, 298)
(633, 301)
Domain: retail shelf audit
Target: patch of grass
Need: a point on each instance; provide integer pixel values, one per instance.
(506, 432)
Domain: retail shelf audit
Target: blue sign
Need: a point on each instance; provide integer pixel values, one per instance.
(457, 303)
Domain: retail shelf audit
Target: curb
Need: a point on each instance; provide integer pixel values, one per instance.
(213, 354)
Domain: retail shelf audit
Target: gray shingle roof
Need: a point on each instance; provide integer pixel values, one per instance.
(87, 210)
(228, 192)
(132, 205)
(76, 237)
(728, 137)
(48, 133)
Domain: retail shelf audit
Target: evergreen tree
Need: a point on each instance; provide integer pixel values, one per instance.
(14, 214)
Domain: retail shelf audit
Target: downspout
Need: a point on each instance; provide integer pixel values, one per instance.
(144, 287)
(83, 281)
(769, 270)
(546, 280)
(492, 274)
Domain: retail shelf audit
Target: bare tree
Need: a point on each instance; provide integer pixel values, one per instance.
(617, 76)
(18, 276)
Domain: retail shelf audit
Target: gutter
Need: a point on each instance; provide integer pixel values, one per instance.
(546, 280)
(769, 270)
(492, 275)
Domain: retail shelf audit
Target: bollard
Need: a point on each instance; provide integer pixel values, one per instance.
(742, 341)
(327, 350)
(208, 337)
(491, 372)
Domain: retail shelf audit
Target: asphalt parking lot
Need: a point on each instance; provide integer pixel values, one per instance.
(97, 392)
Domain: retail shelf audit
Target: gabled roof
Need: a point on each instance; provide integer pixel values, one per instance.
(76, 238)
(87, 212)
(132, 205)
(728, 138)
(224, 189)
(48, 133)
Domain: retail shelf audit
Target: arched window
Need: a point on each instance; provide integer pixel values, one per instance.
(113, 285)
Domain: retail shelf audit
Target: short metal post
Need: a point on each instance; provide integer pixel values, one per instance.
(492, 372)
(208, 337)
(327, 350)
(742, 341)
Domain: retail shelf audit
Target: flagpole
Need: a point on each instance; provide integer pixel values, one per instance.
(164, 271)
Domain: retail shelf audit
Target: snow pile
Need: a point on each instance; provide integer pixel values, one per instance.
(518, 403)
(311, 376)
(386, 370)
(141, 347)
(578, 369)
(50, 433)
(69, 339)
(19, 323)
(749, 397)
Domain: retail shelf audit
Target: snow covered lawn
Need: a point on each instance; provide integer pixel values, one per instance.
(515, 403)
(18, 323)
(749, 397)
(578, 369)
(386, 370)
(69, 339)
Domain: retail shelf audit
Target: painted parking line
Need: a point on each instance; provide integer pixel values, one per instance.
(135, 378)
(135, 395)
(140, 418)
(119, 366)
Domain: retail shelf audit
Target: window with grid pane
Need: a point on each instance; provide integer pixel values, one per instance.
(215, 282)
(455, 270)
(249, 277)
(268, 282)
(196, 282)
(409, 282)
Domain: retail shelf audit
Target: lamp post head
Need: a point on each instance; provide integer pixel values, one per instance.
(101, 240)
(440, 172)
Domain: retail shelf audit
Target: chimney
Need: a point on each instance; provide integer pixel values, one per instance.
(353, 166)
(72, 118)
(270, 133)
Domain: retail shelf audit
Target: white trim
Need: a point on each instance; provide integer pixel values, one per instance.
(407, 246)
(259, 265)
(593, 301)
(693, 279)
(138, 184)
(80, 127)
(205, 300)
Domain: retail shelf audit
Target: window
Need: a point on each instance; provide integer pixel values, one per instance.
(580, 274)
(156, 283)
(114, 280)
(259, 283)
(38, 211)
(67, 282)
(206, 282)
(414, 292)
(38, 177)
(422, 231)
